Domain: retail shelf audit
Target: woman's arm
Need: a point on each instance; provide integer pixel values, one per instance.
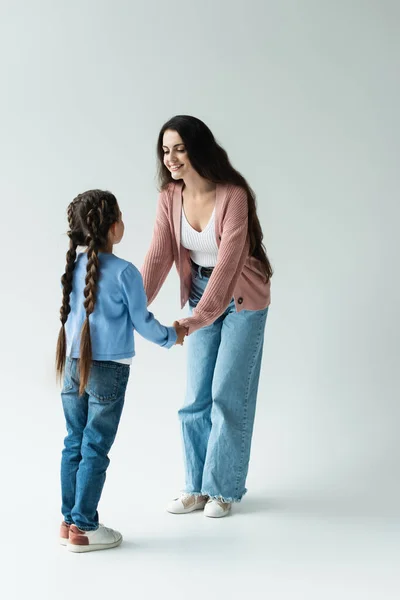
(232, 254)
(159, 258)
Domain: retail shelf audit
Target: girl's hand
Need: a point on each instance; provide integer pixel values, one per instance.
(181, 333)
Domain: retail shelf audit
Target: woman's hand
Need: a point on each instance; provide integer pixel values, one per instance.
(181, 332)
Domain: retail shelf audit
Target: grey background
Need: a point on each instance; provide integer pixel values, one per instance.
(304, 96)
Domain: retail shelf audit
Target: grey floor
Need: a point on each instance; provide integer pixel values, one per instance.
(276, 548)
(280, 542)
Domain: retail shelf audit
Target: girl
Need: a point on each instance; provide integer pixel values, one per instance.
(207, 224)
(103, 302)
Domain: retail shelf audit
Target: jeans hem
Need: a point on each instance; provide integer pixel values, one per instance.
(225, 499)
(86, 528)
(196, 494)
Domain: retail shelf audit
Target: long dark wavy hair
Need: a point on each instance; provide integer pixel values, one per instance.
(211, 161)
(90, 216)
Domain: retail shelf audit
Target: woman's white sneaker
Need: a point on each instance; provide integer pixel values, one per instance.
(186, 503)
(101, 538)
(217, 509)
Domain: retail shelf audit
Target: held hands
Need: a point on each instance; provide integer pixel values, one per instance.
(181, 333)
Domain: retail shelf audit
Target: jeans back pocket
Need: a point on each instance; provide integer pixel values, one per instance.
(107, 380)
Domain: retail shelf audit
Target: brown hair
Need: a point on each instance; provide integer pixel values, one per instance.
(90, 216)
(211, 161)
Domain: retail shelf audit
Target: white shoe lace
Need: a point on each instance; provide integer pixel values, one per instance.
(106, 529)
(220, 503)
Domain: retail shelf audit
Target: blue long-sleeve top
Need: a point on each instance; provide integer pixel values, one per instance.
(120, 308)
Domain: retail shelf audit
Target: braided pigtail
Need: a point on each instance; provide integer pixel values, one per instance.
(94, 242)
(66, 281)
(90, 216)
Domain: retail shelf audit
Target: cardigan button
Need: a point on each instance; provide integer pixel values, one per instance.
(240, 300)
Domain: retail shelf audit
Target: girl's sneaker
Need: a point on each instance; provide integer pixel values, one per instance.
(217, 509)
(64, 533)
(87, 541)
(186, 503)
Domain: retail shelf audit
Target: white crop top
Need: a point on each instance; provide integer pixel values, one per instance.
(201, 244)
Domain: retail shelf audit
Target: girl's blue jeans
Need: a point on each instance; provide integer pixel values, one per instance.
(92, 421)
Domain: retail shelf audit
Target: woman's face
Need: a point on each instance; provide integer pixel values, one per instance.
(175, 156)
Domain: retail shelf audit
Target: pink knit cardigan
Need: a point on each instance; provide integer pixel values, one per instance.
(236, 274)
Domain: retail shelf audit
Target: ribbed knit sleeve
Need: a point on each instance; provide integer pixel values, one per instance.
(159, 258)
(232, 254)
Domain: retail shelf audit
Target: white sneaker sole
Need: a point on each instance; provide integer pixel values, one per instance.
(63, 541)
(92, 547)
(184, 511)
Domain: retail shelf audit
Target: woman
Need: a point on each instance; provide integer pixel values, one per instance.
(207, 224)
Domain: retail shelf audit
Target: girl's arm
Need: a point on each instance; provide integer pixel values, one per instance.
(232, 254)
(142, 320)
(159, 258)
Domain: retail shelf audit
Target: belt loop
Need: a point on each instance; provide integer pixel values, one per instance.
(199, 271)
